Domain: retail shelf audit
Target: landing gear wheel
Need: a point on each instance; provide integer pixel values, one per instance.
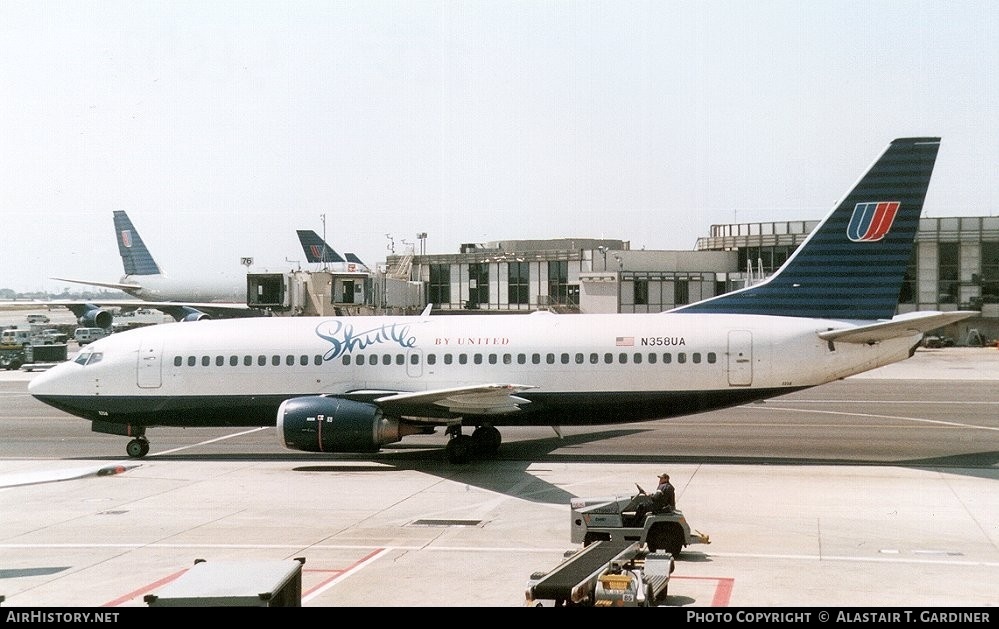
(137, 448)
(486, 439)
(459, 449)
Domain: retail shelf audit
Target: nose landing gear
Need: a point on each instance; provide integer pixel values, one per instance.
(137, 448)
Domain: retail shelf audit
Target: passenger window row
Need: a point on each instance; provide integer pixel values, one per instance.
(565, 358)
(261, 360)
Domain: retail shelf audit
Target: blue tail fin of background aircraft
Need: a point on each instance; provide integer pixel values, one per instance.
(316, 249)
(134, 256)
(853, 264)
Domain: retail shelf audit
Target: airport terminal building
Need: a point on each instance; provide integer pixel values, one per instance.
(955, 266)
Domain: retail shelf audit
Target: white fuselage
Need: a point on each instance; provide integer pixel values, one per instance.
(633, 361)
(205, 289)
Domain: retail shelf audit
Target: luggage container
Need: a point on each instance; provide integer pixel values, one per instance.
(234, 584)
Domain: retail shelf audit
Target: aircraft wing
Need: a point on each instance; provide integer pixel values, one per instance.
(483, 399)
(902, 325)
(180, 310)
(71, 304)
(176, 309)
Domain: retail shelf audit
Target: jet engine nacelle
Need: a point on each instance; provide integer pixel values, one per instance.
(96, 318)
(329, 424)
(187, 313)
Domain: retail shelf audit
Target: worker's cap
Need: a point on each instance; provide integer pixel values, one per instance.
(664, 475)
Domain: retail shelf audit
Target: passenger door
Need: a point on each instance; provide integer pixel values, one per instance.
(149, 369)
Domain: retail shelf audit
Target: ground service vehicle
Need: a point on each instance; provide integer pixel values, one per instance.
(631, 519)
(84, 336)
(16, 336)
(31, 357)
(603, 574)
(11, 356)
(50, 336)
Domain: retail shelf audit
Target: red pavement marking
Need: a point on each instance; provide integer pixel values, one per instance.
(335, 572)
(142, 591)
(723, 589)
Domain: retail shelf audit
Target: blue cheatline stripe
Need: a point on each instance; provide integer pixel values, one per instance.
(832, 276)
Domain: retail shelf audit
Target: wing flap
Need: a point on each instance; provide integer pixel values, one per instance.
(902, 325)
(481, 399)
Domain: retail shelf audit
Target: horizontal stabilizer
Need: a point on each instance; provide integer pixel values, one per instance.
(900, 326)
(114, 285)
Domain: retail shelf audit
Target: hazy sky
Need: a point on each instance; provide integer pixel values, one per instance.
(222, 127)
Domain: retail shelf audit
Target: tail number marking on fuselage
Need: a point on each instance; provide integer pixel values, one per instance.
(663, 340)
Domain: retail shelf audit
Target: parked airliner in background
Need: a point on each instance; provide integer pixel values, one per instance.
(354, 384)
(144, 280)
(318, 251)
(185, 299)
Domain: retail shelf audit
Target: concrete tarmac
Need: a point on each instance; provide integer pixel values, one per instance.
(407, 529)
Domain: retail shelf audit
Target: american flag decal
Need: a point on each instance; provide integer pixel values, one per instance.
(126, 238)
(625, 341)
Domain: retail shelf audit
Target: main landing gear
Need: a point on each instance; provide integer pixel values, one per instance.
(137, 448)
(485, 440)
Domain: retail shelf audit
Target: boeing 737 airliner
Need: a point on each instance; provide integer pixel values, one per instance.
(338, 384)
(144, 279)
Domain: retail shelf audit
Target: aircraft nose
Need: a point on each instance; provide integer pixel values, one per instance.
(51, 380)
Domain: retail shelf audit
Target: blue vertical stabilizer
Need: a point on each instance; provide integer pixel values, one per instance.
(853, 264)
(134, 256)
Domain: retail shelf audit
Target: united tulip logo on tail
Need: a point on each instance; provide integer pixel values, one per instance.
(871, 221)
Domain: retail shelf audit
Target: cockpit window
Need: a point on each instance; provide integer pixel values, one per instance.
(88, 358)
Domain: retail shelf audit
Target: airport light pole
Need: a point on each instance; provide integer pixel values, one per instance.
(422, 237)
